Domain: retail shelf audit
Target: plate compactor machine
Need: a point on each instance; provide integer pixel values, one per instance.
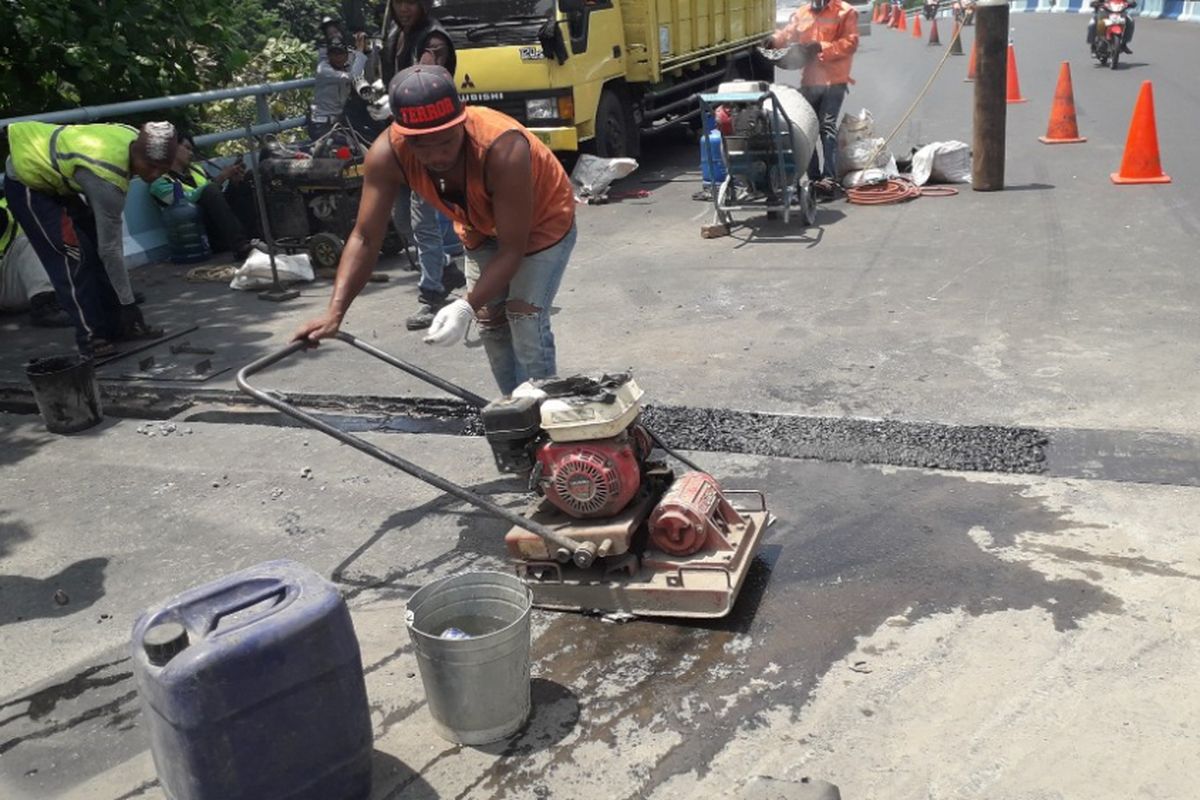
(613, 528)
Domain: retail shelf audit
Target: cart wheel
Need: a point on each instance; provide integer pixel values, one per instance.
(808, 204)
(724, 196)
(324, 250)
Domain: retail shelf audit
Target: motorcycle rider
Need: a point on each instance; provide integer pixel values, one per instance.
(1097, 5)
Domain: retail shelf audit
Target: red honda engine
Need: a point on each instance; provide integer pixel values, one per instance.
(595, 478)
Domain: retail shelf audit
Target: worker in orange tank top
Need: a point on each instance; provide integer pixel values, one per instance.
(511, 203)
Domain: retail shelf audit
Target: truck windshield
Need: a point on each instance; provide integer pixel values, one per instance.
(482, 23)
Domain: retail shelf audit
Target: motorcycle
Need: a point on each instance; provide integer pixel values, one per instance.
(964, 12)
(1110, 23)
(930, 9)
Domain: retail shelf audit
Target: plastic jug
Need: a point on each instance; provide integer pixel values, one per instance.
(252, 688)
(186, 236)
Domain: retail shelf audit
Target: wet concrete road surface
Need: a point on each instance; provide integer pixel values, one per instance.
(872, 577)
(975, 426)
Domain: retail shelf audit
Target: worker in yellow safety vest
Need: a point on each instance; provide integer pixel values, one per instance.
(24, 285)
(49, 167)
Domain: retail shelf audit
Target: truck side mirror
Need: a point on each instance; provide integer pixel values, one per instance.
(550, 36)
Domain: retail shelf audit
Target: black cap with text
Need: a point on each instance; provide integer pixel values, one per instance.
(424, 100)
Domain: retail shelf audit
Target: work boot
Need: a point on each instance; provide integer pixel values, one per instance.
(97, 348)
(429, 306)
(452, 277)
(133, 325)
(45, 312)
(1125, 49)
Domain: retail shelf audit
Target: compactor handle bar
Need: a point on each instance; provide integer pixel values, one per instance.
(563, 547)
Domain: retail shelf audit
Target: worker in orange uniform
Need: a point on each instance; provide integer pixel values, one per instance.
(828, 30)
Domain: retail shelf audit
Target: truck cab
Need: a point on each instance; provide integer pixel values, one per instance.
(597, 74)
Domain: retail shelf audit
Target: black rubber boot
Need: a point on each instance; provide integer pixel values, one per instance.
(45, 312)
(133, 325)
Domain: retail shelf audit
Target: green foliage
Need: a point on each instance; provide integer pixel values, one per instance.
(59, 54)
(280, 59)
(65, 53)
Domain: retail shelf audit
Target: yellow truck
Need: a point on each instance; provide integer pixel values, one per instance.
(597, 75)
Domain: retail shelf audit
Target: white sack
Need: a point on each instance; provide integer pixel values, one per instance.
(942, 162)
(255, 271)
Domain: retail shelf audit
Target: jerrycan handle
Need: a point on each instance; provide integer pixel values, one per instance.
(240, 598)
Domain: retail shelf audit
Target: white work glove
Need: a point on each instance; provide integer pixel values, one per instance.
(451, 323)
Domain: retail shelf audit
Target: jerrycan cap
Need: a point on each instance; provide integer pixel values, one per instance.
(164, 641)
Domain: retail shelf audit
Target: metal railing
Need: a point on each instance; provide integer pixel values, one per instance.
(264, 125)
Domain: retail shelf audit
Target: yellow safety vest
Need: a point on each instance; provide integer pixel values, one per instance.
(10, 229)
(46, 156)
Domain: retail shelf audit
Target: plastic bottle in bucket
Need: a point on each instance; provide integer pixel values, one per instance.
(66, 393)
(471, 637)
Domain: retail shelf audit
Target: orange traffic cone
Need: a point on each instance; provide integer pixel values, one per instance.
(916, 34)
(956, 41)
(934, 39)
(903, 20)
(1063, 128)
(971, 64)
(1140, 164)
(1014, 84)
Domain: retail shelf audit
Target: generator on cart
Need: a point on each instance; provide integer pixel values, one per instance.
(768, 134)
(611, 526)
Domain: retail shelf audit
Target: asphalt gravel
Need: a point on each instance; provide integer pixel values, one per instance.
(986, 448)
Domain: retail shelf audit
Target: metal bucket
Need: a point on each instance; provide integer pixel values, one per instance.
(477, 688)
(66, 393)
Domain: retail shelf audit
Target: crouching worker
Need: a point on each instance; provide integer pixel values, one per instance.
(24, 284)
(511, 203)
(48, 168)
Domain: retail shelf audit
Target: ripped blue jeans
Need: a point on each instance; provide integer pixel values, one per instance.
(520, 345)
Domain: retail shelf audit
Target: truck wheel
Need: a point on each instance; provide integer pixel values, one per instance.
(615, 133)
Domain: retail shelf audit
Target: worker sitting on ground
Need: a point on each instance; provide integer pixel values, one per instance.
(48, 168)
(24, 284)
(510, 200)
(828, 29)
(335, 80)
(418, 38)
(187, 182)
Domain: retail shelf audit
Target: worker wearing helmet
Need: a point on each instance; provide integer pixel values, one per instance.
(510, 200)
(828, 30)
(48, 168)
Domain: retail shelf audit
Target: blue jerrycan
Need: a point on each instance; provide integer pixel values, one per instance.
(252, 689)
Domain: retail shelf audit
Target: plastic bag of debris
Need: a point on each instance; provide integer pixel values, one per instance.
(255, 271)
(864, 154)
(865, 177)
(855, 128)
(942, 162)
(593, 175)
(859, 149)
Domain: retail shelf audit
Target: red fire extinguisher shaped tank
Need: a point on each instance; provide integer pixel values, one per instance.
(692, 516)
